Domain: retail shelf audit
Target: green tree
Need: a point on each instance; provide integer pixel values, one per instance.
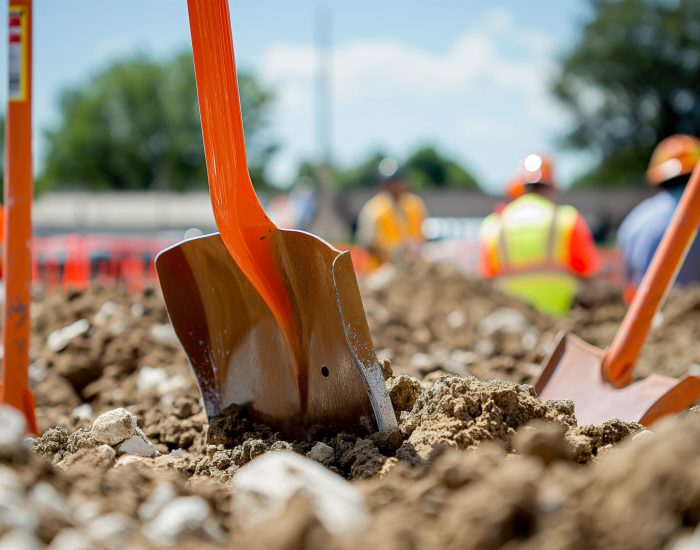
(424, 168)
(427, 167)
(135, 126)
(632, 79)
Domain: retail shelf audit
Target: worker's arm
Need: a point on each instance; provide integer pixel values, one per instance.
(584, 259)
(488, 247)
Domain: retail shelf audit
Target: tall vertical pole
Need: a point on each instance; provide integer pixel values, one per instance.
(19, 183)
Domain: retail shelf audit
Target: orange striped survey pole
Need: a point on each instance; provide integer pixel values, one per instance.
(14, 390)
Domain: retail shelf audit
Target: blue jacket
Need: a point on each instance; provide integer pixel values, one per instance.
(641, 233)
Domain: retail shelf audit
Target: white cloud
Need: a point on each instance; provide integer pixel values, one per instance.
(490, 83)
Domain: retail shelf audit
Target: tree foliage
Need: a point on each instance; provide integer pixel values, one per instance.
(135, 126)
(632, 79)
(425, 168)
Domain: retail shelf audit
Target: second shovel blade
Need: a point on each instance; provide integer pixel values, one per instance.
(240, 356)
(573, 371)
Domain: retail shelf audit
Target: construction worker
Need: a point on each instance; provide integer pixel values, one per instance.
(390, 223)
(641, 231)
(535, 248)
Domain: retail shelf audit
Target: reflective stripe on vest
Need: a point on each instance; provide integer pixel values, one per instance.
(534, 235)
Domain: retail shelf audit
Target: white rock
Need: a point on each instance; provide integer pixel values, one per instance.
(20, 540)
(138, 444)
(38, 370)
(161, 495)
(106, 451)
(104, 313)
(456, 319)
(59, 339)
(182, 515)
(504, 319)
(137, 310)
(113, 528)
(82, 412)
(321, 453)
(164, 334)
(150, 377)
(127, 459)
(113, 427)
(86, 510)
(71, 539)
(12, 431)
(688, 542)
(14, 512)
(264, 486)
(47, 502)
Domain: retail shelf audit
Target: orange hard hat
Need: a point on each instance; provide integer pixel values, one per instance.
(515, 189)
(675, 156)
(535, 168)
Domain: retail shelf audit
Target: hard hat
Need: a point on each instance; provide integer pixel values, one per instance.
(515, 189)
(537, 168)
(675, 156)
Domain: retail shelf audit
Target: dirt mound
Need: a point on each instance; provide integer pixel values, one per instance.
(474, 464)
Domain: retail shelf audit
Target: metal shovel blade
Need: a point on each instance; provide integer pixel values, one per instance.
(240, 356)
(574, 371)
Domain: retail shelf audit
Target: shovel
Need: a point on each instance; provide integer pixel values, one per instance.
(271, 319)
(600, 382)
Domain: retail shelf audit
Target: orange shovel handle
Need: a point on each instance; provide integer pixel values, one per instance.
(623, 353)
(245, 228)
(14, 384)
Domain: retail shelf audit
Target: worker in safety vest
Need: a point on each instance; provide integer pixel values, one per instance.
(390, 224)
(535, 248)
(641, 231)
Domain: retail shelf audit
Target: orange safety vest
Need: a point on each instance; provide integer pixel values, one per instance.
(386, 225)
(527, 246)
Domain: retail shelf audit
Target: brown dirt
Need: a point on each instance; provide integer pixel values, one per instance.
(475, 464)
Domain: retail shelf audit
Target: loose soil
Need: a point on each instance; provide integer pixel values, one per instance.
(478, 461)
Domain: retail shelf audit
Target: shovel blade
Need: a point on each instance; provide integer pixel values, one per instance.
(573, 371)
(240, 356)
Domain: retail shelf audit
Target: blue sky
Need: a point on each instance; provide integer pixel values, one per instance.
(470, 76)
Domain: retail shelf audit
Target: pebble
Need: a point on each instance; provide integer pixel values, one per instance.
(264, 487)
(150, 377)
(106, 451)
(138, 444)
(321, 453)
(161, 495)
(82, 412)
(164, 334)
(504, 319)
(113, 427)
(20, 540)
(47, 502)
(181, 515)
(71, 539)
(114, 528)
(104, 313)
(13, 430)
(59, 339)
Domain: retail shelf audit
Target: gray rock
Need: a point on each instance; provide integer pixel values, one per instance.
(113, 427)
(59, 339)
(47, 502)
(71, 539)
(112, 530)
(504, 319)
(20, 540)
(12, 432)
(179, 516)
(138, 444)
(82, 412)
(321, 453)
(161, 495)
(264, 487)
(106, 451)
